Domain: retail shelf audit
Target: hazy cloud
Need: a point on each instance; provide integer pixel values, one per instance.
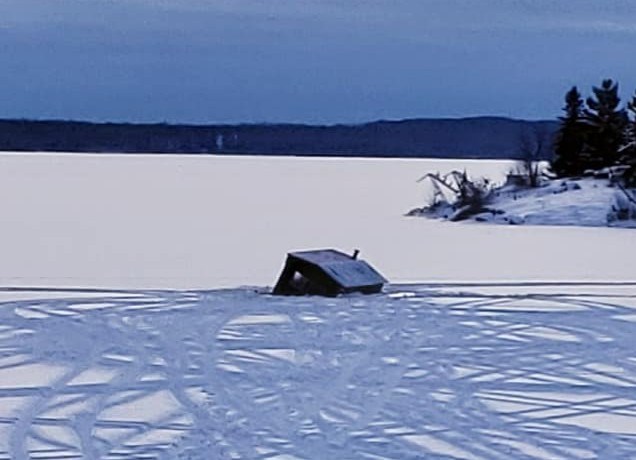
(306, 60)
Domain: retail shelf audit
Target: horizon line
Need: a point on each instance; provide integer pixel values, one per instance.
(277, 123)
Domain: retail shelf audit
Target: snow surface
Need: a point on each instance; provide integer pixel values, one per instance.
(130, 221)
(446, 371)
(585, 202)
(442, 369)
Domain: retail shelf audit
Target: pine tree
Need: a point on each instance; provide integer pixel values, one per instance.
(570, 137)
(606, 124)
(631, 130)
(629, 150)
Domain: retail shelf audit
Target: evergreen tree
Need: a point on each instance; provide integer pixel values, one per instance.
(629, 150)
(631, 130)
(570, 138)
(606, 124)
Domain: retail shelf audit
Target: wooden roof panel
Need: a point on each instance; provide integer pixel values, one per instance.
(342, 268)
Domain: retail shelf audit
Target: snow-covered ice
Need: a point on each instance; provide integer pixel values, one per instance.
(115, 342)
(452, 371)
(115, 221)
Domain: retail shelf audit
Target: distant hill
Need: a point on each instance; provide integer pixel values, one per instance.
(478, 137)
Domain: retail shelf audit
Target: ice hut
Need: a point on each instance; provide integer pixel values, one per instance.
(327, 272)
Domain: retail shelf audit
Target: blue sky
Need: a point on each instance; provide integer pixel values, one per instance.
(318, 61)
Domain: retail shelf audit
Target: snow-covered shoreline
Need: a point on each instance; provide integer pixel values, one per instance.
(585, 202)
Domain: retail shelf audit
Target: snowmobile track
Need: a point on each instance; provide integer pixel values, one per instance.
(450, 371)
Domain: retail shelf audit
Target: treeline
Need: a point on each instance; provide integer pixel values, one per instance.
(477, 137)
(596, 133)
(77, 136)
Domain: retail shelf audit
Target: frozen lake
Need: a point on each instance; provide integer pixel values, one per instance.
(521, 371)
(205, 222)
(439, 369)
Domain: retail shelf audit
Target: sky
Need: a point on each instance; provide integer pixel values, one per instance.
(313, 61)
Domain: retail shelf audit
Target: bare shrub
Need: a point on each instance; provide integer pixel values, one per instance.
(532, 145)
(455, 190)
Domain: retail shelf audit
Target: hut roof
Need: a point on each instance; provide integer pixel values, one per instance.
(342, 268)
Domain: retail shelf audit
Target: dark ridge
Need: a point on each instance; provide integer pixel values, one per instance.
(477, 137)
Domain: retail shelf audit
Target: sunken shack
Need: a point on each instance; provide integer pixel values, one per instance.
(327, 272)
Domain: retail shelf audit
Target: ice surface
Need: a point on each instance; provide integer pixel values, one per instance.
(461, 369)
(166, 221)
(479, 371)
